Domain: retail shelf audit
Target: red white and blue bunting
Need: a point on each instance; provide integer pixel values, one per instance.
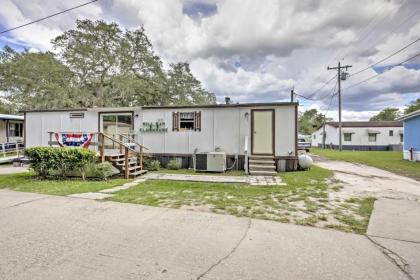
(74, 139)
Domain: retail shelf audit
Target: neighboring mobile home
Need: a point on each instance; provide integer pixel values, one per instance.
(411, 150)
(363, 136)
(11, 131)
(265, 129)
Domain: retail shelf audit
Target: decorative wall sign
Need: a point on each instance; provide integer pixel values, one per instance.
(158, 126)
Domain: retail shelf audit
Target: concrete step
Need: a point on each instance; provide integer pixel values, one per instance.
(261, 157)
(263, 173)
(258, 161)
(262, 167)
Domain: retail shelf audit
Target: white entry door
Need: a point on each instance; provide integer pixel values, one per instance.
(262, 128)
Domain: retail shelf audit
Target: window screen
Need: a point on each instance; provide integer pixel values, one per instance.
(347, 136)
(372, 137)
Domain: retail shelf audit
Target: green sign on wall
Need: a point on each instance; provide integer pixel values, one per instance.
(158, 126)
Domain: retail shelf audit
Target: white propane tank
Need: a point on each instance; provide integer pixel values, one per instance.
(305, 161)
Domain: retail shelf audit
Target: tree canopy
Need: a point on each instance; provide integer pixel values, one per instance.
(310, 120)
(413, 106)
(97, 64)
(387, 114)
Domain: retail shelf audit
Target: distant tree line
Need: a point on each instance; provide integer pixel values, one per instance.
(391, 114)
(95, 64)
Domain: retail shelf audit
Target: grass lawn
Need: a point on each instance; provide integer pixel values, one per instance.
(305, 200)
(28, 182)
(191, 172)
(387, 160)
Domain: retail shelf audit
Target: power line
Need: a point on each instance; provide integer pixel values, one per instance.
(310, 97)
(384, 35)
(389, 68)
(382, 60)
(50, 16)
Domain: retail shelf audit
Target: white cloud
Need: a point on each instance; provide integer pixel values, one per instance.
(257, 52)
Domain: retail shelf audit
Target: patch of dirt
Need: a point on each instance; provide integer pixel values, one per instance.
(200, 208)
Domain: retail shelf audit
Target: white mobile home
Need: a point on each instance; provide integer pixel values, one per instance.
(11, 132)
(364, 135)
(264, 129)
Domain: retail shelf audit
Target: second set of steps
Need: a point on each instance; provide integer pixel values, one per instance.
(262, 165)
(134, 168)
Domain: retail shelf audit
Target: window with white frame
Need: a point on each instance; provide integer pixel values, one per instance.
(372, 137)
(347, 136)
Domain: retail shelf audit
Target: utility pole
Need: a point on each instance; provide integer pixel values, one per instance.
(339, 96)
(292, 94)
(323, 132)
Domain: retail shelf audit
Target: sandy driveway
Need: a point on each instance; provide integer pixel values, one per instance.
(362, 180)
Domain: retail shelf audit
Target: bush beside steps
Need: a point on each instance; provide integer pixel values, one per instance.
(68, 162)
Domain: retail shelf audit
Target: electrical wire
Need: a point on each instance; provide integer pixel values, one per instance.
(50, 16)
(389, 68)
(382, 60)
(393, 29)
(314, 92)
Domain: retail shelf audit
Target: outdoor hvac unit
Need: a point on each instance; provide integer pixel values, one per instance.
(214, 161)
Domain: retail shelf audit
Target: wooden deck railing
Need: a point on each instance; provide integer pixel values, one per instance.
(124, 148)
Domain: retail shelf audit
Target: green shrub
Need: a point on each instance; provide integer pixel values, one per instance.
(61, 161)
(104, 170)
(152, 165)
(173, 164)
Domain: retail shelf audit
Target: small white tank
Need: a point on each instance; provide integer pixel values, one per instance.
(305, 161)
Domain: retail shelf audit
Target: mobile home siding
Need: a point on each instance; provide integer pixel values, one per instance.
(412, 137)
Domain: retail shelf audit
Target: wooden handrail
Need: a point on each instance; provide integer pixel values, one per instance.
(133, 141)
(123, 147)
(117, 141)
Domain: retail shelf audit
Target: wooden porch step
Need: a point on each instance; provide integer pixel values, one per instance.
(131, 168)
(263, 173)
(138, 173)
(122, 163)
(119, 160)
(114, 156)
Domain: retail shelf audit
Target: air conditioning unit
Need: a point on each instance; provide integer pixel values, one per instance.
(213, 162)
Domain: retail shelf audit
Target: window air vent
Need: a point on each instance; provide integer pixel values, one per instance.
(77, 115)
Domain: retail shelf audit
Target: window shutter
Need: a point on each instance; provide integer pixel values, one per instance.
(197, 118)
(175, 121)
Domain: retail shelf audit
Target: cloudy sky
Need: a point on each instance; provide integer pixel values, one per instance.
(257, 51)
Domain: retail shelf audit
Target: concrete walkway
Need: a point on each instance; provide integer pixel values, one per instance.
(50, 237)
(9, 169)
(252, 180)
(395, 227)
